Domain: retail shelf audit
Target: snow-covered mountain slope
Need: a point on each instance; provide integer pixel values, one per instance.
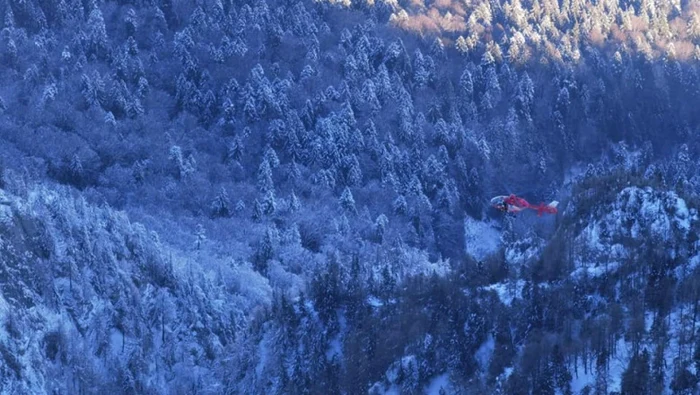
(638, 218)
(90, 300)
(622, 264)
(596, 240)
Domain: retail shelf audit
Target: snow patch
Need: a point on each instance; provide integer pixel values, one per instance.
(5, 209)
(374, 301)
(524, 250)
(263, 355)
(4, 309)
(618, 363)
(684, 270)
(116, 341)
(507, 291)
(484, 353)
(378, 389)
(388, 385)
(507, 372)
(335, 348)
(480, 238)
(440, 382)
(594, 271)
(581, 379)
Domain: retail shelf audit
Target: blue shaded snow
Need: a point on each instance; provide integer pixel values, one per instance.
(481, 239)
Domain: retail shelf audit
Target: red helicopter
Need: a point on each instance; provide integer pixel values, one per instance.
(515, 204)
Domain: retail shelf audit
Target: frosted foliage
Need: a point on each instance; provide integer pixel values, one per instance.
(288, 197)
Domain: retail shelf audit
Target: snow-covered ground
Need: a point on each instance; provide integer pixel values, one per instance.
(618, 363)
(388, 385)
(335, 349)
(507, 291)
(481, 239)
(485, 352)
(440, 382)
(620, 359)
(524, 250)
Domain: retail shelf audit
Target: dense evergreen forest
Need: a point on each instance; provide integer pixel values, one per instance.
(280, 196)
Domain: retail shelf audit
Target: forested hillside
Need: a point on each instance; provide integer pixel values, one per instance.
(280, 196)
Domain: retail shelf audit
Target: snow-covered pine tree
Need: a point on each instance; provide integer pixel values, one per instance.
(220, 207)
(265, 182)
(347, 201)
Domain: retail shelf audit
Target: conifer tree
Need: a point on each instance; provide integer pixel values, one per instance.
(220, 205)
(347, 201)
(265, 182)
